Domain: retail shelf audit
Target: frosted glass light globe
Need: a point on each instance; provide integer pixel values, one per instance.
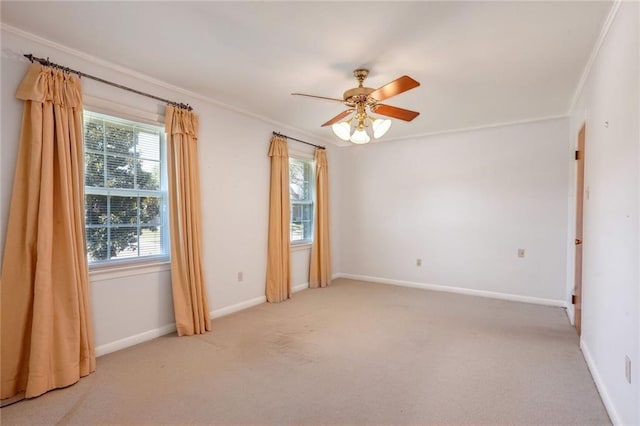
(360, 137)
(380, 127)
(342, 130)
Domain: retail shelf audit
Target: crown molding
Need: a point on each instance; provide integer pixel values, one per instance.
(147, 79)
(168, 86)
(594, 53)
(471, 129)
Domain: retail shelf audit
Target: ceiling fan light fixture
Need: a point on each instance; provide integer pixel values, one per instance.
(342, 130)
(360, 137)
(380, 127)
(361, 127)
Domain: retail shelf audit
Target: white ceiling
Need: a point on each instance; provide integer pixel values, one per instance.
(479, 63)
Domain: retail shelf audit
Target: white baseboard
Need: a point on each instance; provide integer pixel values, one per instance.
(237, 307)
(459, 290)
(606, 399)
(134, 340)
(570, 313)
(299, 287)
(170, 328)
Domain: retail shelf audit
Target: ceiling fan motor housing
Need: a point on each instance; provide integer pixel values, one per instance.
(356, 95)
(360, 94)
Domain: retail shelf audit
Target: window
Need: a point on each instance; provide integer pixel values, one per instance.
(125, 189)
(301, 194)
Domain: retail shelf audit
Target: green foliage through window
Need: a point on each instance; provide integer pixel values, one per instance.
(124, 196)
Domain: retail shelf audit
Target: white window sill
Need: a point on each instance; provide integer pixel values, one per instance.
(301, 246)
(110, 272)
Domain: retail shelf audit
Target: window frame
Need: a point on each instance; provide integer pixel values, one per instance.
(129, 265)
(309, 158)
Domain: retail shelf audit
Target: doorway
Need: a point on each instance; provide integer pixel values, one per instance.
(577, 289)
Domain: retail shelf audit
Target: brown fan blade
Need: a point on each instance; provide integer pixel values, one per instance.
(318, 97)
(396, 87)
(338, 117)
(395, 112)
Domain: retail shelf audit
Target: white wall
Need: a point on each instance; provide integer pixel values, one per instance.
(464, 203)
(611, 299)
(133, 305)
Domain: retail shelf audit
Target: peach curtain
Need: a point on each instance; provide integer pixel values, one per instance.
(278, 286)
(320, 264)
(47, 335)
(187, 280)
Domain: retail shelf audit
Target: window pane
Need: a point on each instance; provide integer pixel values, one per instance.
(296, 212)
(120, 139)
(148, 146)
(124, 210)
(120, 171)
(95, 209)
(299, 174)
(297, 231)
(94, 135)
(97, 243)
(308, 229)
(301, 195)
(124, 242)
(150, 210)
(150, 241)
(302, 222)
(148, 174)
(94, 169)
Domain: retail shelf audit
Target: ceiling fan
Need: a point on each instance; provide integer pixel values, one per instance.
(359, 128)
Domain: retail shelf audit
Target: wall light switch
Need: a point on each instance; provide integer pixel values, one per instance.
(520, 252)
(627, 368)
(418, 262)
(240, 276)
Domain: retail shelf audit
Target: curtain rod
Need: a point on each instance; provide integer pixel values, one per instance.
(48, 63)
(298, 140)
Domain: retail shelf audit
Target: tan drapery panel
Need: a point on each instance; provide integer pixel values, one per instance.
(47, 335)
(320, 264)
(278, 262)
(185, 217)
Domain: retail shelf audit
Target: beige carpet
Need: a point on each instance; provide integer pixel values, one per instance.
(354, 353)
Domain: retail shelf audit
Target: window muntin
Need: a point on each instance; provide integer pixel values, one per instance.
(125, 189)
(301, 190)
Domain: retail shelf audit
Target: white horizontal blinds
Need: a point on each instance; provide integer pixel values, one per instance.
(124, 189)
(301, 193)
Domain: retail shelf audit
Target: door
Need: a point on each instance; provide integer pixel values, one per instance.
(577, 290)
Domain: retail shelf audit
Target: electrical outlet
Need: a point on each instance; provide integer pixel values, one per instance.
(240, 276)
(520, 252)
(418, 262)
(627, 368)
